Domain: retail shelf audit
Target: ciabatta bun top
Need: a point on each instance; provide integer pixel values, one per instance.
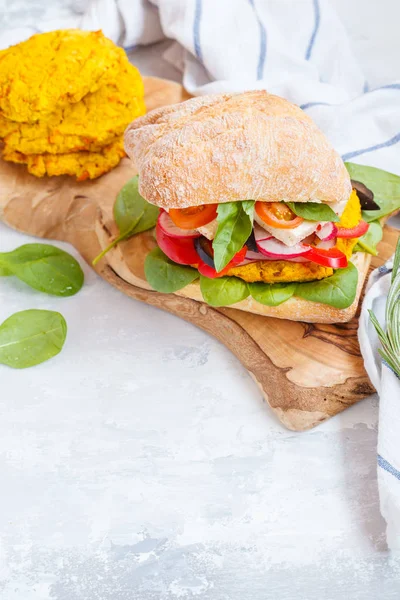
(229, 147)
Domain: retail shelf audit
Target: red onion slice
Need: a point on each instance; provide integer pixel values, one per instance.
(169, 228)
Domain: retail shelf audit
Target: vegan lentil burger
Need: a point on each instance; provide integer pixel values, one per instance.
(255, 203)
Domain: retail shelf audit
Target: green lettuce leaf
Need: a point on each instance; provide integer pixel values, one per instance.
(235, 223)
(313, 211)
(166, 276)
(223, 291)
(339, 290)
(386, 188)
(271, 294)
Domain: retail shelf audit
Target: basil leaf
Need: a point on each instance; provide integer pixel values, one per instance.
(312, 211)
(386, 188)
(339, 290)
(369, 241)
(166, 276)
(45, 268)
(223, 291)
(31, 337)
(4, 272)
(271, 294)
(132, 214)
(235, 223)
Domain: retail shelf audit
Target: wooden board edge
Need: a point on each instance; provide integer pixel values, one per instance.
(303, 407)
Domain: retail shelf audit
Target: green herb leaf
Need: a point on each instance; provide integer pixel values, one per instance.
(45, 268)
(166, 276)
(386, 188)
(313, 211)
(271, 294)
(132, 214)
(369, 241)
(31, 337)
(339, 290)
(223, 291)
(4, 272)
(235, 223)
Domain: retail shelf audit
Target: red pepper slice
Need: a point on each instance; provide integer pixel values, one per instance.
(353, 232)
(211, 273)
(333, 257)
(180, 250)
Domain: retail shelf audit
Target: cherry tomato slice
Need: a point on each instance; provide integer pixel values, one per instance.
(211, 273)
(333, 257)
(353, 232)
(277, 214)
(193, 216)
(180, 250)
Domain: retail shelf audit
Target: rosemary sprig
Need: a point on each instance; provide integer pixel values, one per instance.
(390, 340)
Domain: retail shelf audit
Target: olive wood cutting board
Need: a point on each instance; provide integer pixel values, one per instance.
(307, 372)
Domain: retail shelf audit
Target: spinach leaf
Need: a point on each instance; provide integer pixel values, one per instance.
(235, 223)
(223, 291)
(339, 290)
(166, 276)
(31, 337)
(45, 268)
(132, 214)
(369, 241)
(271, 294)
(313, 211)
(386, 188)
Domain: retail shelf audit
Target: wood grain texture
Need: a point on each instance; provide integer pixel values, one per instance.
(307, 372)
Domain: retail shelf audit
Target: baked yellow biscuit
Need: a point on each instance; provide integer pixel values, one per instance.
(283, 271)
(51, 70)
(93, 122)
(84, 165)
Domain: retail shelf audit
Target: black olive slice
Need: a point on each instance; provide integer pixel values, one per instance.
(251, 242)
(203, 249)
(365, 195)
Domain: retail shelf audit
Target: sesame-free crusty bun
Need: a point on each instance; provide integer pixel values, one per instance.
(229, 147)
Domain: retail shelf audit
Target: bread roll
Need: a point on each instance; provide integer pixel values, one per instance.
(229, 147)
